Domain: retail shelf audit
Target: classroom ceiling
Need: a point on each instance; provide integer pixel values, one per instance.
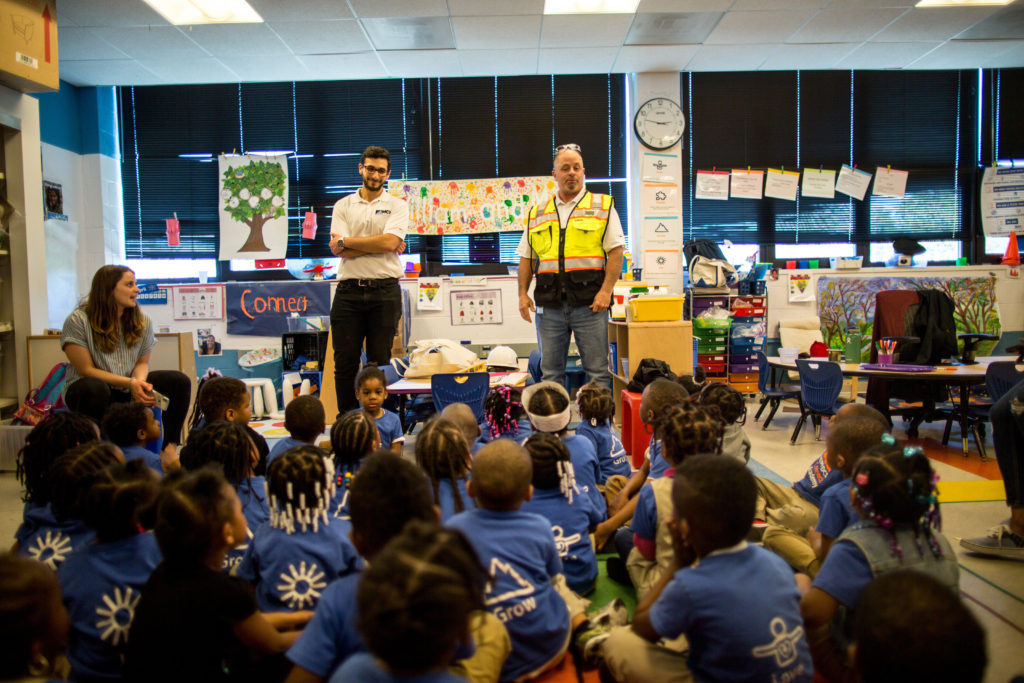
(125, 42)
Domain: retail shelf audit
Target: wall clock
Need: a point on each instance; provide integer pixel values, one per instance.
(659, 123)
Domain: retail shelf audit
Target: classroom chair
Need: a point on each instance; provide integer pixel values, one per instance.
(771, 396)
(470, 388)
(821, 382)
(1000, 377)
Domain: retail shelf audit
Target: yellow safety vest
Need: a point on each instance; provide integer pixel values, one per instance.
(570, 262)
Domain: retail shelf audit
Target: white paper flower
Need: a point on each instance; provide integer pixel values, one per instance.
(225, 194)
(244, 193)
(266, 193)
(277, 201)
(253, 201)
(233, 202)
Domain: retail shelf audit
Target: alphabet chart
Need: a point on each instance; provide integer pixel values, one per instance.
(198, 303)
(476, 307)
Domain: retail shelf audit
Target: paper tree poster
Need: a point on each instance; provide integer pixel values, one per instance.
(800, 287)
(429, 294)
(253, 206)
(459, 207)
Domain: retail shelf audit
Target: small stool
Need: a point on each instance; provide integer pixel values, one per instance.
(634, 434)
(264, 398)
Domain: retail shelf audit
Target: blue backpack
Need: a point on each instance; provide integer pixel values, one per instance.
(44, 399)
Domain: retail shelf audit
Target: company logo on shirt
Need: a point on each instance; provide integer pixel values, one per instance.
(115, 619)
(563, 542)
(386, 212)
(302, 585)
(783, 646)
(51, 549)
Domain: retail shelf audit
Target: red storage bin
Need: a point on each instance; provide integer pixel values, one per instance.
(706, 358)
(714, 368)
(635, 436)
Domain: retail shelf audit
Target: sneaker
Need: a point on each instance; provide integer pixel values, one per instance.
(1000, 542)
(587, 641)
(614, 613)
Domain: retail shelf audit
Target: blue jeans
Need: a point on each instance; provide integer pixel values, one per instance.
(555, 324)
(1008, 438)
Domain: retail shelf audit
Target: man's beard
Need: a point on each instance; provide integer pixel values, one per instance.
(371, 188)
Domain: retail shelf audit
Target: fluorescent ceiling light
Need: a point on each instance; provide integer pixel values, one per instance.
(206, 11)
(590, 6)
(961, 3)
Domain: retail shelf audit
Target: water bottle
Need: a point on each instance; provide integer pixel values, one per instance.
(853, 345)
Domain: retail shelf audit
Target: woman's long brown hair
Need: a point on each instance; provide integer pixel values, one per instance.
(101, 310)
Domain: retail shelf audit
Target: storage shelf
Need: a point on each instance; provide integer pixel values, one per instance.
(6, 327)
(7, 401)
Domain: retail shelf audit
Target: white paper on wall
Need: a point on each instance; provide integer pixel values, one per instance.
(890, 183)
(712, 185)
(658, 167)
(747, 184)
(428, 294)
(853, 182)
(781, 184)
(659, 231)
(660, 197)
(818, 183)
(1002, 201)
(800, 288)
(476, 307)
(662, 262)
(253, 206)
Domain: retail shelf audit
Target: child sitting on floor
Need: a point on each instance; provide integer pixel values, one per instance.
(193, 622)
(732, 411)
(33, 621)
(504, 416)
(461, 415)
(227, 398)
(737, 604)
(597, 408)
(130, 426)
(571, 515)
(442, 452)
(353, 436)
(300, 550)
(102, 581)
(371, 390)
(304, 419)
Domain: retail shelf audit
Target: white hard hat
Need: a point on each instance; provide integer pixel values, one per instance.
(503, 357)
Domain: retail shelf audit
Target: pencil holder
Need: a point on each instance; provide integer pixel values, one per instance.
(885, 358)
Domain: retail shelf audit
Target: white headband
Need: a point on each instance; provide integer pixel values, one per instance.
(550, 423)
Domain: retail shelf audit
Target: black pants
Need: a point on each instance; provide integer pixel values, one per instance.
(361, 313)
(91, 397)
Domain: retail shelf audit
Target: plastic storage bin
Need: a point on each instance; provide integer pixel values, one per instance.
(649, 309)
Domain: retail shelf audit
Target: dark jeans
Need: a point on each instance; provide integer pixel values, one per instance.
(91, 397)
(1007, 415)
(361, 313)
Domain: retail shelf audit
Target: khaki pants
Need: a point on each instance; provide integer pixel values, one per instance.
(630, 658)
(492, 648)
(789, 517)
(612, 487)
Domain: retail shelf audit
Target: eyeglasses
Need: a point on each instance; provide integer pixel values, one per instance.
(569, 146)
(374, 170)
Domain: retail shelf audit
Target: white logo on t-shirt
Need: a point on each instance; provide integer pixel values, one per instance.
(50, 549)
(302, 585)
(499, 567)
(563, 542)
(115, 620)
(783, 646)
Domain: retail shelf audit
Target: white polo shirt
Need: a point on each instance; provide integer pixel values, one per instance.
(353, 216)
(613, 236)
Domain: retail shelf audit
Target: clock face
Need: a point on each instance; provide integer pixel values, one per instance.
(659, 123)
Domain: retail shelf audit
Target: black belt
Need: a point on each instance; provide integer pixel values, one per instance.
(379, 283)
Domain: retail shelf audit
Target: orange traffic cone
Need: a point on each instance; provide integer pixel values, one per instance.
(1012, 255)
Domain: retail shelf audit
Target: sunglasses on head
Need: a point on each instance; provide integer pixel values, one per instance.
(570, 146)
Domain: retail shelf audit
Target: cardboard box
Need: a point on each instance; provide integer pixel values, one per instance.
(28, 45)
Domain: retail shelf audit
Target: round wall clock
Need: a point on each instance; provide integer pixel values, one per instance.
(659, 123)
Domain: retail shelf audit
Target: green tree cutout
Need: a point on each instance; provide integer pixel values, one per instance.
(254, 194)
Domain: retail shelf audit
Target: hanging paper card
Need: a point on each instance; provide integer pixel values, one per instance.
(659, 231)
(746, 184)
(253, 203)
(800, 287)
(660, 197)
(1002, 201)
(853, 182)
(429, 294)
(818, 183)
(658, 167)
(781, 184)
(890, 183)
(309, 225)
(712, 185)
(662, 262)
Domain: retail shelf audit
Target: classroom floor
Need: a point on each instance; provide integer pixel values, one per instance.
(972, 501)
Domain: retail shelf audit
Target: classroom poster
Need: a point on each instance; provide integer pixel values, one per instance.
(476, 307)
(1002, 201)
(253, 206)
(657, 167)
(662, 262)
(662, 231)
(800, 287)
(205, 302)
(263, 308)
(480, 205)
(428, 294)
(781, 184)
(746, 184)
(660, 197)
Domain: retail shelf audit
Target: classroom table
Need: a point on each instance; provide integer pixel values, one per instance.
(961, 376)
(404, 388)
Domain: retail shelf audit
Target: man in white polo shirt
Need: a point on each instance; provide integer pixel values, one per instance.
(368, 233)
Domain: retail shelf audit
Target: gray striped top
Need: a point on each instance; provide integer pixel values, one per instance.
(120, 361)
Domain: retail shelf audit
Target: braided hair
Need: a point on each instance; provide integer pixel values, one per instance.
(416, 597)
(442, 452)
(552, 466)
(687, 429)
(191, 511)
(121, 500)
(732, 409)
(596, 403)
(503, 409)
(222, 442)
(72, 475)
(300, 486)
(29, 604)
(895, 487)
(216, 395)
(352, 438)
(47, 441)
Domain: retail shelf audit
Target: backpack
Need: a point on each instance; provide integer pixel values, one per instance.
(43, 400)
(708, 272)
(649, 370)
(702, 246)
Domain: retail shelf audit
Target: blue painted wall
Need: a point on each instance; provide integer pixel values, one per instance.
(80, 120)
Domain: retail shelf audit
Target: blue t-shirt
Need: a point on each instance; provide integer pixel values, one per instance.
(43, 538)
(282, 445)
(645, 516)
(587, 471)
(518, 550)
(611, 455)
(818, 479)
(844, 573)
(253, 494)
(836, 512)
(101, 583)
(290, 571)
(331, 636)
(658, 462)
(390, 429)
(446, 498)
(364, 668)
(522, 429)
(151, 459)
(740, 611)
(570, 525)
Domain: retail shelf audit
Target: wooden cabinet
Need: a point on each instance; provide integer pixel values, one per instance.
(671, 342)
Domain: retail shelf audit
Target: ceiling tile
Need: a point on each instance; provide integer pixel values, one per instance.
(1008, 22)
(399, 8)
(322, 37)
(963, 54)
(421, 63)
(520, 62)
(740, 28)
(81, 43)
(591, 60)
(682, 6)
(156, 42)
(311, 10)
(932, 24)
(205, 70)
(108, 72)
(1013, 57)
(844, 26)
(355, 66)
(729, 58)
(584, 30)
(760, 5)
(674, 28)
(500, 32)
(885, 55)
(417, 33)
(108, 13)
(237, 40)
(806, 56)
(636, 59)
(267, 69)
(862, 5)
(493, 8)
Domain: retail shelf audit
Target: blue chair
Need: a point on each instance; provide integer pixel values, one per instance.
(470, 388)
(1000, 377)
(770, 395)
(821, 382)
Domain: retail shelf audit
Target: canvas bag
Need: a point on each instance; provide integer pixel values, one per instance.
(438, 355)
(708, 272)
(44, 399)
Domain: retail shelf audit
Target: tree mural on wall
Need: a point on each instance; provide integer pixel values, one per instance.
(845, 303)
(254, 194)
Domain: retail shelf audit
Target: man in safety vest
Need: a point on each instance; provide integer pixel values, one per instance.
(574, 244)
